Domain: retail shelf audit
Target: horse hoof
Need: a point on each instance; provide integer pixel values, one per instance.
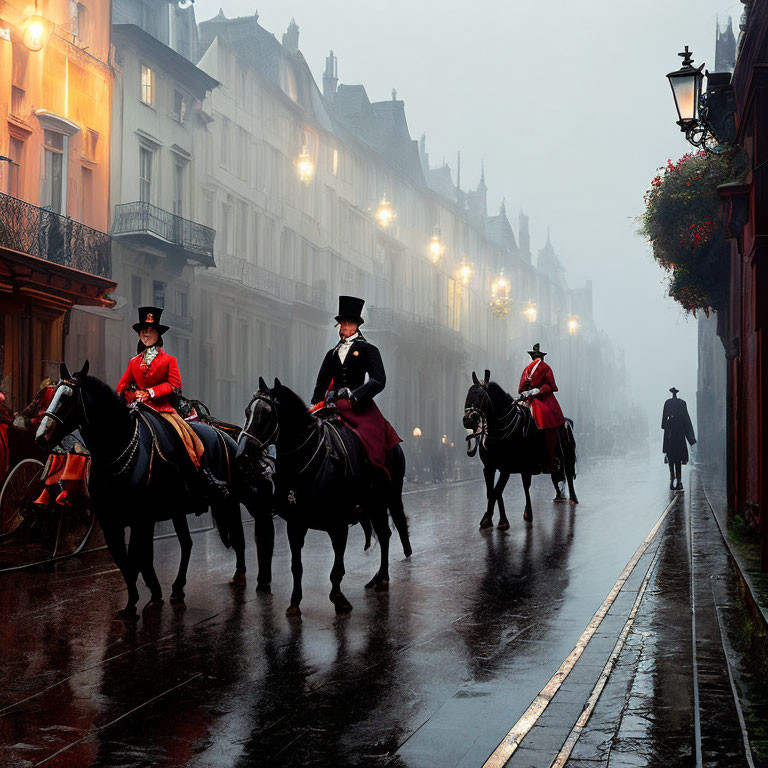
(559, 498)
(154, 605)
(128, 614)
(293, 610)
(528, 515)
(264, 589)
(486, 523)
(407, 551)
(503, 525)
(573, 500)
(341, 604)
(381, 586)
(177, 599)
(239, 579)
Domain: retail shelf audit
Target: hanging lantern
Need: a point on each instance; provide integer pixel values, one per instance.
(37, 31)
(416, 432)
(436, 247)
(384, 213)
(573, 325)
(530, 312)
(465, 272)
(500, 295)
(305, 164)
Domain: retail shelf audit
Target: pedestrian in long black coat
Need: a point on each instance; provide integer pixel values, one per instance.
(678, 429)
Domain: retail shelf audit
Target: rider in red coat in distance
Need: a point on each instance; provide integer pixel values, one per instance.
(537, 385)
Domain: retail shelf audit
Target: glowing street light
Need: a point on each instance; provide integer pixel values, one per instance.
(37, 31)
(416, 432)
(573, 325)
(384, 213)
(500, 295)
(306, 166)
(465, 272)
(530, 312)
(436, 247)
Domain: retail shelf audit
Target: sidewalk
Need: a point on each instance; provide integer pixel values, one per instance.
(691, 683)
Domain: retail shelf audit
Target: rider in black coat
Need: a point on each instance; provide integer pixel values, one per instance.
(362, 357)
(677, 427)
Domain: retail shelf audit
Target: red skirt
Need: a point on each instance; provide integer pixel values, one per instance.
(375, 432)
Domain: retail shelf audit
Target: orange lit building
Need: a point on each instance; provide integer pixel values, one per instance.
(55, 108)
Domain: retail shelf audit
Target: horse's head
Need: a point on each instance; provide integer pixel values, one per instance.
(66, 411)
(477, 403)
(262, 425)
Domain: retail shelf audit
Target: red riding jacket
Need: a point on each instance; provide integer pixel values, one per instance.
(544, 406)
(161, 377)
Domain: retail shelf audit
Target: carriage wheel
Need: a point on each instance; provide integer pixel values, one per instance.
(21, 487)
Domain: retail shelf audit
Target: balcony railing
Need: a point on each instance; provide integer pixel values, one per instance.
(39, 232)
(143, 219)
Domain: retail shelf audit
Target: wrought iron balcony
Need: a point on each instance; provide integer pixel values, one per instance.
(39, 232)
(314, 297)
(143, 223)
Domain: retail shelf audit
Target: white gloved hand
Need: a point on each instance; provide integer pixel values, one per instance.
(534, 391)
(525, 394)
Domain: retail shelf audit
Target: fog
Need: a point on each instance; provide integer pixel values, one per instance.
(567, 105)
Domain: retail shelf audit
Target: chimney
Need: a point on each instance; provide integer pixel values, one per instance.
(524, 236)
(330, 77)
(291, 37)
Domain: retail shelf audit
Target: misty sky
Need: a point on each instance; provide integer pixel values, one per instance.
(568, 105)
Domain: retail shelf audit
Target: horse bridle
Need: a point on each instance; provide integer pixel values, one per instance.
(505, 426)
(77, 389)
(265, 442)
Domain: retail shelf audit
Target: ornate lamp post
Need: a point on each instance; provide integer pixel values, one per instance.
(706, 118)
(465, 272)
(305, 164)
(37, 31)
(436, 247)
(500, 295)
(530, 312)
(384, 213)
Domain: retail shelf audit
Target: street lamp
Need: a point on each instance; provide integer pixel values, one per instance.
(706, 118)
(573, 325)
(37, 31)
(530, 312)
(416, 432)
(436, 247)
(500, 295)
(306, 166)
(465, 271)
(384, 213)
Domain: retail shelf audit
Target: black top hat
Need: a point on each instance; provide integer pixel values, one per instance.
(350, 309)
(536, 352)
(674, 390)
(150, 316)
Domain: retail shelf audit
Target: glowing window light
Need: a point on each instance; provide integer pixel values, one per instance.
(436, 247)
(306, 166)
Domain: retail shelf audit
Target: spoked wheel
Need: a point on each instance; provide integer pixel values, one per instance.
(21, 487)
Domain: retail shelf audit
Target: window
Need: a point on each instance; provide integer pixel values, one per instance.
(179, 107)
(158, 293)
(17, 101)
(288, 80)
(146, 159)
(86, 195)
(224, 145)
(335, 162)
(53, 171)
(178, 187)
(78, 20)
(224, 224)
(137, 291)
(181, 303)
(16, 153)
(209, 198)
(147, 84)
(241, 224)
(90, 143)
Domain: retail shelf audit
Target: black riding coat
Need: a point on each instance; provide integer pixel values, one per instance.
(677, 427)
(363, 358)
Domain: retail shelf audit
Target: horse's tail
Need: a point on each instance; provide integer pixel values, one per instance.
(365, 524)
(396, 467)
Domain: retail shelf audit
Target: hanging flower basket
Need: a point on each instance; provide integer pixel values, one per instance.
(682, 222)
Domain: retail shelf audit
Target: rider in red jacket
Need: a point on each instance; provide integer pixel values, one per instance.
(537, 385)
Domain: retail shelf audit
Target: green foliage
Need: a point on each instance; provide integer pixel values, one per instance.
(682, 221)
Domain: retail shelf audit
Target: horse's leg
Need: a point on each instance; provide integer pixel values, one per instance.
(296, 534)
(380, 581)
(114, 537)
(528, 512)
(143, 533)
(499, 493)
(181, 526)
(489, 473)
(569, 474)
(264, 536)
(237, 537)
(396, 510)
(339, 541)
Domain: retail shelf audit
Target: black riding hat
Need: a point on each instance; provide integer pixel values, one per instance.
(350, 309)
(536, 352)
(150, 316)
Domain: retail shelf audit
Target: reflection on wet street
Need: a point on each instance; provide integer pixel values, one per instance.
(433, 673)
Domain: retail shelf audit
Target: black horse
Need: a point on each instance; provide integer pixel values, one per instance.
(136, 482)
(510, 443)
(322, 482)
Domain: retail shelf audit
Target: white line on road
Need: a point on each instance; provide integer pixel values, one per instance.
(520, 729)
